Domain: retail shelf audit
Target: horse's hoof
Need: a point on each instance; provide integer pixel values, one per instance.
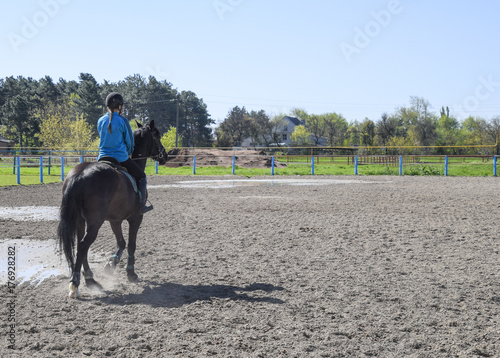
(132, 277)
(109, 269)
(94, 285)
(74, 292)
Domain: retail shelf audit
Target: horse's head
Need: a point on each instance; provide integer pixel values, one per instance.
(148, 143)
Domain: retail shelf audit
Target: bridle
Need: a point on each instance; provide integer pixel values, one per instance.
(158, 148)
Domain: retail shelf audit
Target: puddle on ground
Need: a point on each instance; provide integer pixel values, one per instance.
(35, 260)
(30, 213)
(229, 183)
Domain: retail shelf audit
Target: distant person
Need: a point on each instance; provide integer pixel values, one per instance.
(116, 144)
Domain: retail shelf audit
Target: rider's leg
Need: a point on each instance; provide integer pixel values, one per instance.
(143, 182)
(140, 177)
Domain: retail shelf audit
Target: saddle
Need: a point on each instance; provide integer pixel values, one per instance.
(112, 162)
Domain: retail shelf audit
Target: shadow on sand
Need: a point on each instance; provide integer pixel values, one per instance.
(175, 295)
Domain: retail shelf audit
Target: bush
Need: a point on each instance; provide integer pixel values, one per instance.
(422, 170)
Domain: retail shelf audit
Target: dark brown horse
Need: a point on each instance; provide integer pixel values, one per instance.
(96, 192)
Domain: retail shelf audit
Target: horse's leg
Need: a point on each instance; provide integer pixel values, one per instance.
(87, 272)
(81, 257)
(134, 224)
(116, 226)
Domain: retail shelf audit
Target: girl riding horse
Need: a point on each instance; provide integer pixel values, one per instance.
(116, 144)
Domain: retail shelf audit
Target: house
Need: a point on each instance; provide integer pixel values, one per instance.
(5, 144)
(289, 124)
(285, 132)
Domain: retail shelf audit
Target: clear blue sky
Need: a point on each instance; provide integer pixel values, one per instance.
(357, 58)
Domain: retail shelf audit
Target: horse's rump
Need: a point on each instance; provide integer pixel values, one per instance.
(92, 193)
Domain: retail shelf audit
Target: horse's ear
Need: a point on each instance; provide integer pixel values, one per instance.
(152, 124)
(139, 125)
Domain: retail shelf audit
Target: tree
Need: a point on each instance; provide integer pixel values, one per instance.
(59, 130)
(81, 134)
(424, 122)
(404, 143)
(300, 136)
(335, 128)
(133, 90)
(353, 134)
(447, 130)
(17, 111)
(168, 139)
(235, 127)
(16, 117)
(195, 121)
(262, 128)
(159, 101)
(474, 132)
(418, 118)
(300, 113)
(89, 102)
(367, 132)
(493, 129)
(66, 88)
(385, 129)
(316, 125)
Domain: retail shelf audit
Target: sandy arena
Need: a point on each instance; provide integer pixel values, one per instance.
(353, 266)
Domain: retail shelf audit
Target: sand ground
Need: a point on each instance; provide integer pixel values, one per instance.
(358, 267)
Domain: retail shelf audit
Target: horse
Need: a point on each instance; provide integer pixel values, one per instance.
(94, 192)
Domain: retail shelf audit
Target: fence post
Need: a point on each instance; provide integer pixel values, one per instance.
(312, 165)
(356, 165)
(41, 169)
(81, 159)
(156, 167)
(50, 153)
(272, 165)
(62, 168)
(445, 165)
(234, 162)
(494, 165)
(18, 170)
(14, 165)
(194, 164)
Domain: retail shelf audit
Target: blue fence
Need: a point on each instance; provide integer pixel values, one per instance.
(48, 162)
(356, 165)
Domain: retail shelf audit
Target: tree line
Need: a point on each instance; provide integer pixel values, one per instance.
(415, 125)
(43, 113)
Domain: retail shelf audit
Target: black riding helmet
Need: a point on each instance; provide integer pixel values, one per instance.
(114, 100)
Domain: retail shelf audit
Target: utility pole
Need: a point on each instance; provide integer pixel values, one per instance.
(177, 122)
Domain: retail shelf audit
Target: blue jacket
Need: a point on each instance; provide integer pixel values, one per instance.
(118, 144)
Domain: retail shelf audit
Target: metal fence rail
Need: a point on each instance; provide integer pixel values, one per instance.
(49, 164)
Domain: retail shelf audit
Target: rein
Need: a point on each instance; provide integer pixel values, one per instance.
(155, 157)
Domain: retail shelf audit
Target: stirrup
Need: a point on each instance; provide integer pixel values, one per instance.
(145, 208)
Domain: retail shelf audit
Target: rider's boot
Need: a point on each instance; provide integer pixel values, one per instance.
(144, 196)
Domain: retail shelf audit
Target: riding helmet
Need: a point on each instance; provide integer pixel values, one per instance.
(114, 100)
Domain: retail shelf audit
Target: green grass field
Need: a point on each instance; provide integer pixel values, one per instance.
(31, 175)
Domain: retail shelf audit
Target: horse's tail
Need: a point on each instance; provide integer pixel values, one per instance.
(69, 213)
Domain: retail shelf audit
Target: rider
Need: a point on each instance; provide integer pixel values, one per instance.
(116, 144)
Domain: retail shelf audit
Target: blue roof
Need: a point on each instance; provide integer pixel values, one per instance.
(295, 121)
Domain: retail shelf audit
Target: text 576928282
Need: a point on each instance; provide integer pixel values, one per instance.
(11, 297)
